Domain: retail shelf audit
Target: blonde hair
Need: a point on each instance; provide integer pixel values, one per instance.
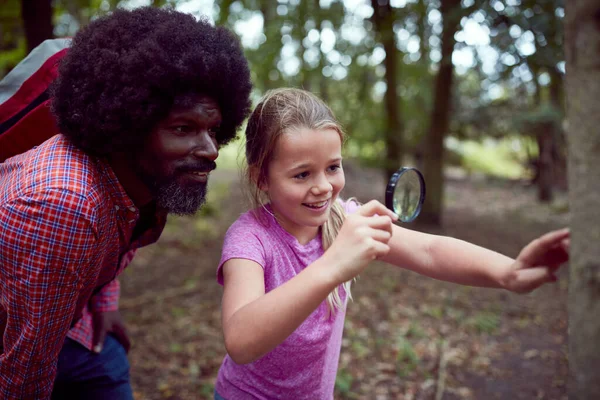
(281, 111)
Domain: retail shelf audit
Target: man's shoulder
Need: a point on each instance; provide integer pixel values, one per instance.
(55, 165)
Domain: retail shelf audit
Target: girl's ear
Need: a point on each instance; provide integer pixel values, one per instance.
(255, 176)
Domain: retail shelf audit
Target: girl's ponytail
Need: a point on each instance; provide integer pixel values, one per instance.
(329, 232)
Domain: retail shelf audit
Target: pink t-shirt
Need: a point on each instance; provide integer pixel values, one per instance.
(304, 366)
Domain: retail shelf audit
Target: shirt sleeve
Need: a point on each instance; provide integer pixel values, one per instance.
(351, 205)
(47, 244)
(242, 241)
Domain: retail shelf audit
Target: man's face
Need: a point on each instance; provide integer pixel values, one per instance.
(180, 153)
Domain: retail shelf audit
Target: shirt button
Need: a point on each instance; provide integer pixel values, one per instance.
(117, 208)
(132, 209)
(131, 221)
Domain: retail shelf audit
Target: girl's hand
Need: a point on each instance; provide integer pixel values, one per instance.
(538, 261)
(363, 238)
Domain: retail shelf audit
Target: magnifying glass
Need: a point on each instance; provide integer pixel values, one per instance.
(405, 193)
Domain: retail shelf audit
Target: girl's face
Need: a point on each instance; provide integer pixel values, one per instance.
(304, 178)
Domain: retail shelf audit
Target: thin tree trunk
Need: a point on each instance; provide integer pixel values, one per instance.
(384, 23)
(582, 33)
(545, 141)
(37, 21)
(223, 15)
(272, 34)
(440, 117)
(323, 92)
(559, 152)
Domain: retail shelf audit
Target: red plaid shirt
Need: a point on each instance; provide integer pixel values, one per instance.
(65, 233)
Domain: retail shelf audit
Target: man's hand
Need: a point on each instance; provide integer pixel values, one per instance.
(108, 321)
(538, 261)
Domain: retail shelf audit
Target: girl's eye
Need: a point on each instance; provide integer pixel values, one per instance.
(301, 175)
(334, 168)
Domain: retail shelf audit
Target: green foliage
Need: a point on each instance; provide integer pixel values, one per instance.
(347, 71)
(343, 381)
(486, 322)
(207, 390)
(406, 357)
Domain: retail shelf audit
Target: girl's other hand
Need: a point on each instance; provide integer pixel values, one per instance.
(363, 238)
(538, 261)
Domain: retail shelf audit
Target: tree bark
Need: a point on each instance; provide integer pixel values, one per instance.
(440, 117)
(582, 33)
(37, 21)
(383, 17)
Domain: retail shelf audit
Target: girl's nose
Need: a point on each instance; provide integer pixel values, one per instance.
(322, 185)
(205, 146)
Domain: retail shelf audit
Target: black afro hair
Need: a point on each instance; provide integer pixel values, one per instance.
(125, 71)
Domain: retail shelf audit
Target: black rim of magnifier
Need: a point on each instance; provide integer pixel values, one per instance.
(389, 191)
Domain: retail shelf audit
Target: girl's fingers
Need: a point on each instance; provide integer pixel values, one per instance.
(382, 222)
(381, 249)
(379, 235)
(535, 251)
(376, 208)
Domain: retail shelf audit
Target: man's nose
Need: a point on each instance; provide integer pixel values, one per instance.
(205, 146)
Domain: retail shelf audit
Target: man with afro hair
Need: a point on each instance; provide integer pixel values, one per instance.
(143, 101)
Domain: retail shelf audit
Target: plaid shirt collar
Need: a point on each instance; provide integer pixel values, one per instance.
(126, 208)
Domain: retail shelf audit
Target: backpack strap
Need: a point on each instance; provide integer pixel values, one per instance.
(25, 117)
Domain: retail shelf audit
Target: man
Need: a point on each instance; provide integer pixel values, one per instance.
(143, 100)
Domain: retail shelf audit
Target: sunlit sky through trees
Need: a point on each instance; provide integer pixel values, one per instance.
(474, 34)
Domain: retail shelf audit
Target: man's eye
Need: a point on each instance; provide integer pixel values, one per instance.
(215, 130)
(181, 129)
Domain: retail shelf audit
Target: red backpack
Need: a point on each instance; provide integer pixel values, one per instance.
(25, 117)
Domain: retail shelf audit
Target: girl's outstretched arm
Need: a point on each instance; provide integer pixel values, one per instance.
(255, 322)
(457, 261)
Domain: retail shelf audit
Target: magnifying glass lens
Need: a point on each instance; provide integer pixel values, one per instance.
(405, 193)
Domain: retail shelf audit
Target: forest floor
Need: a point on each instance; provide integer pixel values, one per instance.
(406, 336)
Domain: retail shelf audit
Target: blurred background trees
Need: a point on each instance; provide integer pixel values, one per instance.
(451, 86)
(457, 88)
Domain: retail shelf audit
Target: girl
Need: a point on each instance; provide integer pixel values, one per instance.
(286, 266)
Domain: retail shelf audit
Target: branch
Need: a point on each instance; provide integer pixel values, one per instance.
(441, 381)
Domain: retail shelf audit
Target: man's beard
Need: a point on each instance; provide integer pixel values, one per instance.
(178, 199)
(172, 195)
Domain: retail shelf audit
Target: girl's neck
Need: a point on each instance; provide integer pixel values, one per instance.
(303, 234)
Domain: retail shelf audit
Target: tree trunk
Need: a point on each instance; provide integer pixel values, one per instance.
(559, 151)
(323, 89)
(440, 117)
(223, 15)
(384, 24)
(582, 33)
(270, 49)
(37, 21)
(545, 177)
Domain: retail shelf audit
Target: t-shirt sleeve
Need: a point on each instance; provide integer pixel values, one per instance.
(351, 205)
(242, 240)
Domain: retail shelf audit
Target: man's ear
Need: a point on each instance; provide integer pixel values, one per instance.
(255, 176)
